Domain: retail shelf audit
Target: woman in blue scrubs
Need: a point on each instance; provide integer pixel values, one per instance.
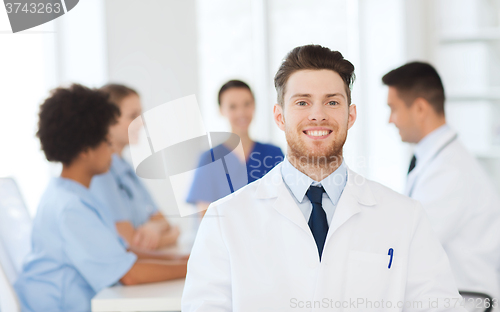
(237, 104)
(76, 251)
(133, 209)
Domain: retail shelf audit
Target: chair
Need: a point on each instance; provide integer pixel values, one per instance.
(8, 297)
(476, 302)
(15, 241)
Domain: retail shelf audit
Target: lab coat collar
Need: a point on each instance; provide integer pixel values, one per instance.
(431, 143)
(270, 185)
(441, 138)
(356, 193)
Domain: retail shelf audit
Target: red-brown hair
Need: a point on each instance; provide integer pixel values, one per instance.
(313, 57)
(117, 92)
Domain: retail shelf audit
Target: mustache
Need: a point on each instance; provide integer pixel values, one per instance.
(326, 125)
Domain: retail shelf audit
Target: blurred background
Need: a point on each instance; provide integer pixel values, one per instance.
(167, 49)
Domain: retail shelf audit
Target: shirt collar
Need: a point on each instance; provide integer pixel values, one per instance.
(74, 187)
(299, 183)
(425, 146)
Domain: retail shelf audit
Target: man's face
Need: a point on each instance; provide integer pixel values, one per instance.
(402, 117)
(315, 115)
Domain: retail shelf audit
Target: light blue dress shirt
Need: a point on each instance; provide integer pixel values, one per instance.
(424, 148)
(121, 190)
(76, 251)
(298, 184)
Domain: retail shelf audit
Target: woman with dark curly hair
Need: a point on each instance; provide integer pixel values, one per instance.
(76, 250)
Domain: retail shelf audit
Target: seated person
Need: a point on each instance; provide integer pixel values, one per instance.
(237, 104)
(134, 211)
(76, 250)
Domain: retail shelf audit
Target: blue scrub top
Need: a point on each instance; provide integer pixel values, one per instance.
(210, 186)
(121, 190)
(76, 251)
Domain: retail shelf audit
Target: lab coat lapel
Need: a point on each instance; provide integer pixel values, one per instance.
(410, 181)
(273, 186)
(423, 163)
(355, 195)
(286, 206)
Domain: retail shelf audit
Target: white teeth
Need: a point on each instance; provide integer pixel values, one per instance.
(317, 132)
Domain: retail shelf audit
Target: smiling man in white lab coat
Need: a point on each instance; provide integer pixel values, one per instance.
(311, 234)
(454, 190)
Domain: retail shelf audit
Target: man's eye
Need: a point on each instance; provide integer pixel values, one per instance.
(301, 103)
(333, 103)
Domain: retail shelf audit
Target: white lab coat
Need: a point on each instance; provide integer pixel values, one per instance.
(464, 211)
(254, 251)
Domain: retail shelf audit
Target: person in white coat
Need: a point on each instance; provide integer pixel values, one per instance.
(312, 234)
(458, 197)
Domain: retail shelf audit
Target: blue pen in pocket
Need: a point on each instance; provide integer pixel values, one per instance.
(391, 253)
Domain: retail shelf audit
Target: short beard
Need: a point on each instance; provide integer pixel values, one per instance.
(303, 158)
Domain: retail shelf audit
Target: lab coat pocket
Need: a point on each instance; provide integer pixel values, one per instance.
(371, 282)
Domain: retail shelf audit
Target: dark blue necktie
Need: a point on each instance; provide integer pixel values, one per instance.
(317, 221)
(413, 163)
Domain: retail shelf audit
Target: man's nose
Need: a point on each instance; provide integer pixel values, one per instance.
(318, 112)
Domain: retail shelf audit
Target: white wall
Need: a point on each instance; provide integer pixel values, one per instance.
(81, 45)
(382, 48)
(460, 38)
(152, 47)
(227, 50)
(26, 62)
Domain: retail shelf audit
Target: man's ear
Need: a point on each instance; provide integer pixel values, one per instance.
(279, 118)
(353, 114)
(421, 107)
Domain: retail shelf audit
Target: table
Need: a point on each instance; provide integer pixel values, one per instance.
(163, 296)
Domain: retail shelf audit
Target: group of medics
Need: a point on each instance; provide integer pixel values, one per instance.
(97, 224)
(306, 232)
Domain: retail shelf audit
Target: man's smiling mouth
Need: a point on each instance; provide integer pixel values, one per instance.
(317, 134)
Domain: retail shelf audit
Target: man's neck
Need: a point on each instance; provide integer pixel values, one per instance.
(429, 127)
(76, 173)
(316, 169)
